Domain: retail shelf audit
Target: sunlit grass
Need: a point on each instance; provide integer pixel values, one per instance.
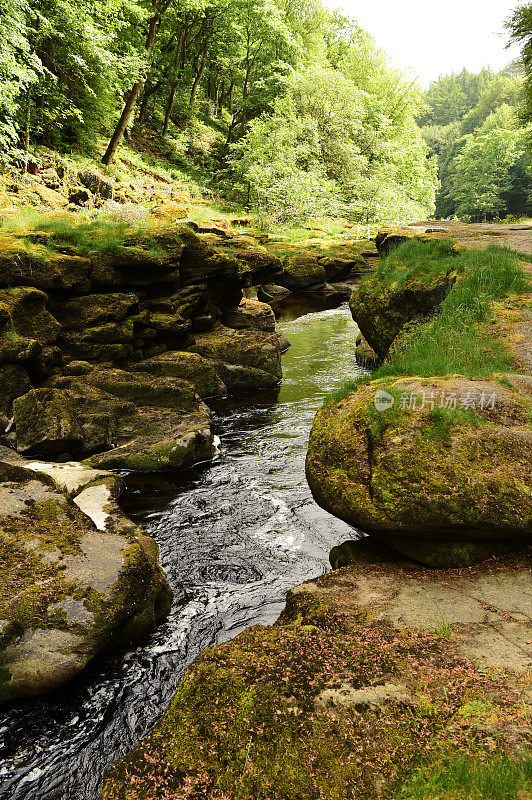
(458, 339)
(466, 776)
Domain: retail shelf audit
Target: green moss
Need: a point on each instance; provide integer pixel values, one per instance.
(442, 420)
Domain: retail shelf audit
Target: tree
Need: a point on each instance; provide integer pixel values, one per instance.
(520, 28)
(481, 174)
(20, 67)
(331, 144)
(153, 25)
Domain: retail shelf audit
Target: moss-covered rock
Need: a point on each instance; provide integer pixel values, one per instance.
(302, 272)
(94, 309)
(30, 317)
(14, 382)
(144, 389)
(156, 439)
(370, 672)
(37, 267)
(250, 314)
(77, 578)
(365, 355)
(200, 372)
(271, 293)
(381, 311)
(256, 355)
(46, 424)
(447, 482)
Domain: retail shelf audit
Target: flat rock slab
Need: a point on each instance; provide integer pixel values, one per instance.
(486, 610)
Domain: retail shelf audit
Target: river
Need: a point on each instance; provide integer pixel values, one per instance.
(234, 537)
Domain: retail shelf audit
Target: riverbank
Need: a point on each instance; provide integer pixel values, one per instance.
(384, 679)
(234, 536)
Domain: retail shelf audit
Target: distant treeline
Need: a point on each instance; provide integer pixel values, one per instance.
(306, 114)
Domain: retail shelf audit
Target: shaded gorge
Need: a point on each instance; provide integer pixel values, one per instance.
(234, 537)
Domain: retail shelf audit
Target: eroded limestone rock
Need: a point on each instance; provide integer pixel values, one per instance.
(77, 577)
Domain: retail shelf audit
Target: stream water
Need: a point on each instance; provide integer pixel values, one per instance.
(234, 537)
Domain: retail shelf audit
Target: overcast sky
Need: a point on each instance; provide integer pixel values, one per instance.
(437, 38)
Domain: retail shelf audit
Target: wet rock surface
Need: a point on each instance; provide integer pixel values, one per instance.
(77, 577)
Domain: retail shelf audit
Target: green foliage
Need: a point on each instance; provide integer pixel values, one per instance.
(416, 259)
(457, 339)
(333, 146)
(471, 124)
(520, 28)
(471, 776)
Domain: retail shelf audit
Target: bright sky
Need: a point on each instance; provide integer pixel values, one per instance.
(436, 38)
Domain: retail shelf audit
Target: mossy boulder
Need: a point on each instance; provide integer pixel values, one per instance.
(46, 424)
(14, 382)
(247, 358)
(78, 578)
(271, 293)
(155, 439)
(381, 311)
(36, 267)
(200, 372)
(144, 389)
(30, 317)
(250, 314)
(303, 273)
(446, 482)
(94, 309)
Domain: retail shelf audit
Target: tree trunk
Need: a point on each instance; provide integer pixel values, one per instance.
(170, 107)
(197, 79)
(134, 94)
(27, 128)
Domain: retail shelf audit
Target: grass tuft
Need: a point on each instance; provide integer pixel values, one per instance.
(458, 339)
(472, 777)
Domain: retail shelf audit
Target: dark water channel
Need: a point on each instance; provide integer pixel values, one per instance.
(234, 536)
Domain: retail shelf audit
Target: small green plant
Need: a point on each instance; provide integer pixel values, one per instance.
(443, 629)
(476, 709)
(442, 420)
(471, 776)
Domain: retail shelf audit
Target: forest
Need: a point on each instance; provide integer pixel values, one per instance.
(281, 105)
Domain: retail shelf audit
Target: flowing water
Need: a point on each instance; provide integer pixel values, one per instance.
(234, 537)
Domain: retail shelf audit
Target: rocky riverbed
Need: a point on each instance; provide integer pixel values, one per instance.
(388, 678)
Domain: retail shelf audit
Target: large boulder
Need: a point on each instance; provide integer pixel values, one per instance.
(145, 389)
(30, 317)
(155, 439)
(46, 424)
(440, 469)
(94, 309)
(78, 579)
(37, 267)
(14, 382)
(200, 372)
(250, 314)
(271, 293)
(247, 358)
(303, 273)
(382, 311)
